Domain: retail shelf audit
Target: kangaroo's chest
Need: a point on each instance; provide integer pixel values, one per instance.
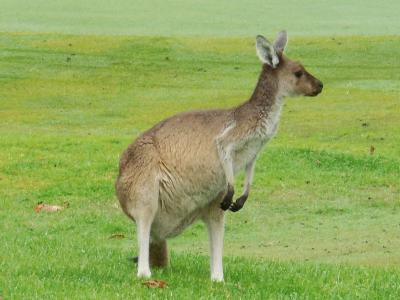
(268, 125)
(247, 150)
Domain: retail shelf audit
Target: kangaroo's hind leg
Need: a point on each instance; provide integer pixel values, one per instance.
(142, 207)
(213, 216)
(143, 234)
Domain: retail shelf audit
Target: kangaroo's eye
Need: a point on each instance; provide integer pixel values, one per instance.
(298, 74)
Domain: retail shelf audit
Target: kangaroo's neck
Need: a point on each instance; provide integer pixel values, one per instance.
(262, 111)
(266, 96)
(266, 93)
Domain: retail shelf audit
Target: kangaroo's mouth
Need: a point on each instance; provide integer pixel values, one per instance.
(316, 92)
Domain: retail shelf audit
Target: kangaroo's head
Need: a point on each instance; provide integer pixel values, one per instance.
(292, 78)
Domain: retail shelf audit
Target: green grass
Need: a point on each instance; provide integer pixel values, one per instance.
(323, 218)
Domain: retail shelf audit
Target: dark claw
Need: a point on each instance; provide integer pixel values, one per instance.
(238, 204)
(225, 204)
(227, 201)
(235, 207)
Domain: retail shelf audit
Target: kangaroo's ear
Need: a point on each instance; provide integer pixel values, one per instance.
(281, 42)
(266, 51)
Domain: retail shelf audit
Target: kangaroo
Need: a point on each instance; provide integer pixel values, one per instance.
(183, 168)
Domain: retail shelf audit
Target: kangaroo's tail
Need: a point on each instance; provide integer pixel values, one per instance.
(158, 255)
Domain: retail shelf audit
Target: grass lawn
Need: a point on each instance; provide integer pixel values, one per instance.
(323, 218)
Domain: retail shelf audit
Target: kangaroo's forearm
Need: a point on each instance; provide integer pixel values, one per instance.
(239, 203)
(227, 165)
(225, 148)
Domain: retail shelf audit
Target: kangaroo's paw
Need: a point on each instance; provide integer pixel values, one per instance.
(227, 201)
(238, 204)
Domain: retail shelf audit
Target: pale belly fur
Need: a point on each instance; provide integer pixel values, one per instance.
(184, 206)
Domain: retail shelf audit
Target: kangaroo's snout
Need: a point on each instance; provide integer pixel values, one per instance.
(318, 89)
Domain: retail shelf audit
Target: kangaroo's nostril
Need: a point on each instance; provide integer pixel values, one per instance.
(321, 85)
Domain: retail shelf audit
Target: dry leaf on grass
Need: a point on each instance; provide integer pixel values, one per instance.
(154, 283)
(371, 150)
(50, 208)
(117, 236)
